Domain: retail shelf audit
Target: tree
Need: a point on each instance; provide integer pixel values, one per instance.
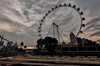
(22, 44)
(21, 49)
(25, 46)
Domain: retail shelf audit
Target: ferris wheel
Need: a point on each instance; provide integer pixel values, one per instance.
(48, 20)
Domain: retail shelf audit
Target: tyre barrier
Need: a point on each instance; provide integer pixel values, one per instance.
(10, 64)
(19, 61)
(77, 58)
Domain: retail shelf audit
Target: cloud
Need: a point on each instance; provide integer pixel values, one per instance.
(66, 20)
(93, 24)
(19, 19)
(93, 21)
(96, 34)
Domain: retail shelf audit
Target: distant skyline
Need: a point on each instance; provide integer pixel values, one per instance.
(19, 19)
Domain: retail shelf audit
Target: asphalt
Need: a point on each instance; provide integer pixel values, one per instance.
(54, 60)
(40, 61)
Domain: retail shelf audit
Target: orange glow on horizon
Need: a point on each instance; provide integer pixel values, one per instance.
(29, 48)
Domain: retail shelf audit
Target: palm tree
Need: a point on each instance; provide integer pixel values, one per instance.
(22, 43)
(25, 46)
(21, 49)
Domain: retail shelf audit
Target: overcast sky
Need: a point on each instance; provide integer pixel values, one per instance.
(19, 19)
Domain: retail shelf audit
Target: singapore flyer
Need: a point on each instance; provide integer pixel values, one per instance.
(65, 18)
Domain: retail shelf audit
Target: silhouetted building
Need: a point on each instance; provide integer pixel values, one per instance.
(72, 38)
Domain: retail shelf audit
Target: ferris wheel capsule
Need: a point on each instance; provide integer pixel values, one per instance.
(74, 6)
(83, 18)
(56, 6)
(52, 9)
(39, 27)
(81, 13)
(81, 31)
(83, 25)
(48, 11)
(42, 20)
(40, 23)
(44, 17)
(78, 9)
(46, 14)
(39, 31)
(69, 4)
(60, 5)
(39, 34)
(64, 4)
